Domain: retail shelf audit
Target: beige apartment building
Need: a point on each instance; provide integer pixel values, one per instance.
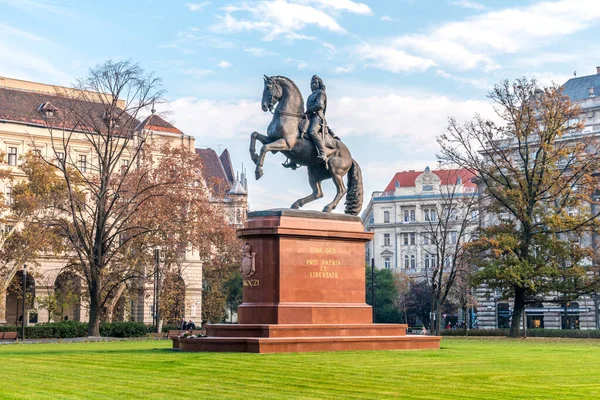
(24, 109)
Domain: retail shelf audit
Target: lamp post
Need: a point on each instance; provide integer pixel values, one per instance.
(156, 316)
(24, 301)
(373, 287)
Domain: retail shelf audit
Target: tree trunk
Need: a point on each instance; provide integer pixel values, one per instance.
(94, 324)
(2, 306)
(467, 321)
(438, 314)
(519, 305)
(110, 308)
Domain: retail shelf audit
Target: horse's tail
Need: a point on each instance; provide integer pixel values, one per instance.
(354, 197)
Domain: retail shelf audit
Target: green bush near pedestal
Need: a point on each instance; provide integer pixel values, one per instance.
(74, 329)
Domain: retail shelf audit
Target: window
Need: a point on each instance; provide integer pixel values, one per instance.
(413, 238)
(8, 228)
(427, 188)
(413, 261)
(405, 239)
(387, 263)
(429, 261)
(406, 263)
(474, 215)
(429, 214)
(504, 314)
(409, 215)
(572, 211)
(83, 163)
(426, 239)
(386, 239)
(8, 198)
(238, 216)
(386, 217)
(453, 237)
(12, 156)
(124, 165)
(60, 158)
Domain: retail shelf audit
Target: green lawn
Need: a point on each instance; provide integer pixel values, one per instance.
(462, 369)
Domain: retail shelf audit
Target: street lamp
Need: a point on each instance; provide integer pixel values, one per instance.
(24, 301)
(373, 287)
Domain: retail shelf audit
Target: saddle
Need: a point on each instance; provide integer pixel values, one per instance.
(330, 136)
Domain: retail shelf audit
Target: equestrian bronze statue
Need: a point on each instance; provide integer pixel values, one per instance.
(287, 133)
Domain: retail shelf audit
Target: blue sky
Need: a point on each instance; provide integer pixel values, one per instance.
(395, 70)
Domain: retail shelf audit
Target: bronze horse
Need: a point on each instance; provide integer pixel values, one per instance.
(283, 135)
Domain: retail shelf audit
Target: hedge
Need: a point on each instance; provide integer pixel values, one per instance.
(556, 333)
(73, 329)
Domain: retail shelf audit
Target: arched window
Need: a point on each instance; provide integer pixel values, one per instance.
(413, 261)
(238, 216)
(386, 217)
(387, 263)
(406, 264)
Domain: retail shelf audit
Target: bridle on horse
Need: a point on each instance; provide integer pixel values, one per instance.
(287, 114)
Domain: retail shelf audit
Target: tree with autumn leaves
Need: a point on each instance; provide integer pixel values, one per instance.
(110, 215)
(538, 184)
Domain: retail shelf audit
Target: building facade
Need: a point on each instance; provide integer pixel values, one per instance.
(25, 109)
(496, 312)
(403, 214)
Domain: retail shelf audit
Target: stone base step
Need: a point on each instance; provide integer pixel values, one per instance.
(304, 330)
(308, 344)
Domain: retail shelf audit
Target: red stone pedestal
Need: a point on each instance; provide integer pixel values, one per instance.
(307, 292)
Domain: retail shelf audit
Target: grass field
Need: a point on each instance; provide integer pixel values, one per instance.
(462, 369)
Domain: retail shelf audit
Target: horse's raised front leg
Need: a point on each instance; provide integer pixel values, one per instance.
(338, 181)
(317, 193)
(261, 138)
(277, 145)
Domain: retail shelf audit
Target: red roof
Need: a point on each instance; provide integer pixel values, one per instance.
(156, 123)
(447, 177)
(26, 107)
(214, 173)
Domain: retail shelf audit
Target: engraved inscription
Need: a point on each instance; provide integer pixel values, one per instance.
(251, 282)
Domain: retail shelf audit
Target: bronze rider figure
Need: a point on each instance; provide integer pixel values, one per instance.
(316, 106)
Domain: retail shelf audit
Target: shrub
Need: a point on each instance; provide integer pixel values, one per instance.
(73, 329)
(123, 329)
(563, 333)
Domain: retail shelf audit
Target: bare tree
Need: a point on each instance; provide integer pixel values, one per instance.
(450, 222)
(125, 193)
(538, 179)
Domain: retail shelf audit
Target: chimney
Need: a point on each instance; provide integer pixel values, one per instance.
(598, 70)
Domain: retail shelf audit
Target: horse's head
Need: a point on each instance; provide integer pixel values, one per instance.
(271, 93)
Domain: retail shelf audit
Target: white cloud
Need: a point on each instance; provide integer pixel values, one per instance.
(468, 4)
(391, 59)
(407, 126)
(224, 64)
(284, 19)
(342, 5)
(197, 6)
(386, 18)
(476, 83)
(19, 57)
(475, 42)
(346, 69)
(259, 52)
(197, 72)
